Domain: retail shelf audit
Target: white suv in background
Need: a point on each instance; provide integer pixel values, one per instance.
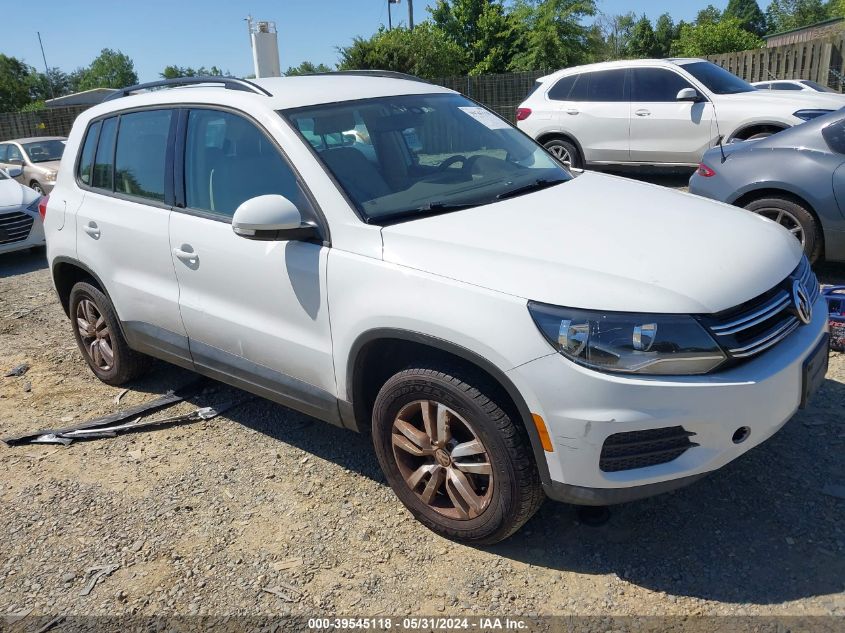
(656, 112)
(434, 279)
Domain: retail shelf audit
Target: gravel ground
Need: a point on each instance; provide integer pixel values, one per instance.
(203, 518)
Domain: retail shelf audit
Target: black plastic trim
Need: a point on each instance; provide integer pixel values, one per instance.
(579, 495)
(158, 342)
(229, 83)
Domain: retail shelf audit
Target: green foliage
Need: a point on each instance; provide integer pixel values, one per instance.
(712, 38)
(307, 68)
(708, 15)
(748, 12)
(33, 106)
(110, 69)
(784, 15)
(665, 32)
(14, 84)
(175, 72)
(552, 34)
(616, 32)
(425, 51)
(643, 42)
(835, 8)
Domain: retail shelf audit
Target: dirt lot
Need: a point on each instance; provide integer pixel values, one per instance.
(202, 518)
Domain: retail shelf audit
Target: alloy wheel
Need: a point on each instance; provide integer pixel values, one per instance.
(786, 220)
(442, 460)
(95, 335)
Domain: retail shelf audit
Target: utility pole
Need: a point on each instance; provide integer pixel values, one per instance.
(389, 18)
(46, 69)
(411, 14)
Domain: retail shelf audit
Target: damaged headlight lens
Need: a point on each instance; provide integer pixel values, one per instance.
(663, 344)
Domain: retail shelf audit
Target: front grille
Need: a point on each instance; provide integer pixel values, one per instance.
(763, 322)
(638, 449)
(15, 227)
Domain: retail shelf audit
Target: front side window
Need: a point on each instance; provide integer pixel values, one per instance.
(657, 85)
(103, 177)
(228, 160)
(406, 156)
(86, 159)
(717, 79)
(44, 151)
(141, 151)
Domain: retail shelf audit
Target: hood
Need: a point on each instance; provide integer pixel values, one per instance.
(49, 165)
(800, 100)
(13, 194)
(605, 243)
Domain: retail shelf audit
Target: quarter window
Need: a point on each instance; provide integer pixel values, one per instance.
(228, 160)
(141, 153)
(86, 160)
(786, 87)
(560, 91)
(103, 176)
(656, 85)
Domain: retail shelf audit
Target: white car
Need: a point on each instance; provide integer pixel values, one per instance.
(655, 112)
(500, 327)
(795, 85)
(20, 222)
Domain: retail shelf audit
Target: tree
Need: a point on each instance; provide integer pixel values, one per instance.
(425, 52)
(616, 32)
(643, 42)
(307, 68)
(53, 83)
(748, 12)
(174, 72)
(110, 69)
(553, 35)
(665, 32)
(835, 8)
(784, 15)
(14, 84)
(708, 15)
(712, 38)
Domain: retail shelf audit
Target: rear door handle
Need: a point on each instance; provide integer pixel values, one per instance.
(573, 111)
(643, 112)
(93, 230)
(186, 253)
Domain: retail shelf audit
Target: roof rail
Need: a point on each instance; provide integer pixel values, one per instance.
(229, 83)
(389, 74)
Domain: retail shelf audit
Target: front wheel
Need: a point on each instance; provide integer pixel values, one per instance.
(794, 218)
(36, 186)
(454, 457)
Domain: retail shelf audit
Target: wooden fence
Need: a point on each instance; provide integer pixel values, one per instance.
(818, 60)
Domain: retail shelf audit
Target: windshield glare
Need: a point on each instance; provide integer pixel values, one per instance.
(44, 151)
(416, 154)
(717, 79)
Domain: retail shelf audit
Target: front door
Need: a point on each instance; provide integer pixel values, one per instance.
(663, 129)
(256, 312)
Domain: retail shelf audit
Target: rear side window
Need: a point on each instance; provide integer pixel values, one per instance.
(141, 151)
(103, 176)
(655, 85)
(228, 160)
(763, 86)
(561, 90)
(86, 158)
(607, 85)
(786, 87)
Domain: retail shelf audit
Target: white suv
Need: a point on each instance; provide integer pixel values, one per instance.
(656, 112)
(390, 257)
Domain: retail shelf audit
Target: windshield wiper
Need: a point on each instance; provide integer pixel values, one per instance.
(540, 183)
(425, 210)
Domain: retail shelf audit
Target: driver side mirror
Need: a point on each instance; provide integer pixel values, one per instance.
(688, 94)
(271, 218)
(14, 172)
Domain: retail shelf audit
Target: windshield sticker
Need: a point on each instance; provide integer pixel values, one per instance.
(487, 119)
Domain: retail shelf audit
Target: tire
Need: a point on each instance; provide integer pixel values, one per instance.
(560, 149)
(36, 186)
(758, 136)
(90, 305)
(795, 218)
(503, 500)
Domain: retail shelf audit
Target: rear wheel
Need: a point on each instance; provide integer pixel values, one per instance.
(453, 456)
(794, 218)
(36, 186)
(97, 332)
(565, 152)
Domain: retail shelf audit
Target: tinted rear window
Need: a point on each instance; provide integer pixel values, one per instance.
(104, 162)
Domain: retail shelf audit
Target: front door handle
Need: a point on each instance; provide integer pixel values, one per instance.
(93, 230)
(573, 111)
(186, 253)
(643, 112)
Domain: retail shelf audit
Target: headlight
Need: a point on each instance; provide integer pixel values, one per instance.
(629, 342)
(806, 115)
(50, 176)
(33, 206)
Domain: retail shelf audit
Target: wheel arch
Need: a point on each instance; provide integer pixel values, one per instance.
(379, 353)
(68, 272)
(755, 127)
(771, 190)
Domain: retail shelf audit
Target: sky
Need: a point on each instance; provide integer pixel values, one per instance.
(158, 33)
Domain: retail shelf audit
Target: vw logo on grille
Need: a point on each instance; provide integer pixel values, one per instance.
(801, 302)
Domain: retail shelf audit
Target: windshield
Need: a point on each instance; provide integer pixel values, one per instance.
(717, 79)
(44, 151)
(817, 87)
(407, 156)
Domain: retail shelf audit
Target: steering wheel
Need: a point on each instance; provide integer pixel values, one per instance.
(457, 158)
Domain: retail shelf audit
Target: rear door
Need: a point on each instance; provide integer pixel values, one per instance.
(122, 226)
(594, 108)
(663, 129)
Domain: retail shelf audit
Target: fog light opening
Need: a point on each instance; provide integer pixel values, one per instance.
(741, 434)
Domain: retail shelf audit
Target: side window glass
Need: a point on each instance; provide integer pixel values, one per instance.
(652, 85)
(581, 87)
(788, 87)
(228, 160)
(607, 85)
(104, 159)
(140, 156)
(560, 91)
(4, 149)
(86, 159)
(763, 86)
(14, 154)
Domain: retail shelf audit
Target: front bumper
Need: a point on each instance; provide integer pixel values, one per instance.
(34, 238)
(582, 408)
